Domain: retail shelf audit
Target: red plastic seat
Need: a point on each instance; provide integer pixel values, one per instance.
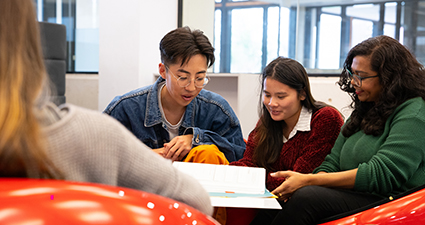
(48, 202)
(408, 208)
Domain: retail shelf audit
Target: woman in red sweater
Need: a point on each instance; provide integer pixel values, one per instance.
(294, 132)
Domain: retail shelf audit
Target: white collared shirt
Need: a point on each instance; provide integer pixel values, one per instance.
(303, 123)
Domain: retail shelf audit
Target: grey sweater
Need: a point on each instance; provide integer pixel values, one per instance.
(88, 146)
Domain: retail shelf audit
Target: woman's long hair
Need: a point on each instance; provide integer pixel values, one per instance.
(22, 76)
(401, 77)
(269, 133)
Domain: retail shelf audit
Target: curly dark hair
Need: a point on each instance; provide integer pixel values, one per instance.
(401, 77)
(183, 43)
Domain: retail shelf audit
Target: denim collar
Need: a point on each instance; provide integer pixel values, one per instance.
(153, 113)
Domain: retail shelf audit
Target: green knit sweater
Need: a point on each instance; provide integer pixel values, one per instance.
(387, 164)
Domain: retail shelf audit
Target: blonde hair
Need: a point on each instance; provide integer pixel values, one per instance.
(22, 77)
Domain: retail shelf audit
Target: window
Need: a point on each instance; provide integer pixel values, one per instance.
(246, 35)
(249, 34)
(81, 20)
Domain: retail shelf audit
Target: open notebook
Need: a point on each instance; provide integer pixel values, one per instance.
(232, 186)
(226, 179)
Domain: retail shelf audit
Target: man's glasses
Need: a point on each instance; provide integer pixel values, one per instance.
(182, 81)
(356, 78)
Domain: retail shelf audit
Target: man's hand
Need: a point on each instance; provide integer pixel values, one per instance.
(178, 147)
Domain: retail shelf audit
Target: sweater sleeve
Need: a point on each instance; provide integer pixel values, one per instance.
(325, 126)
(141, 168)
(91, 147)
(398, 158)
(331, 162)
(247, 159)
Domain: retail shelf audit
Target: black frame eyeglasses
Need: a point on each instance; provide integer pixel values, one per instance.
(200, 82)
(356, 78)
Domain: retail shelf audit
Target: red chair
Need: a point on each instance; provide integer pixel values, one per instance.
(406, 208)
(48, 202)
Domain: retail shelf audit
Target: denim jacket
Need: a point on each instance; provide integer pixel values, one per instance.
(208, 117)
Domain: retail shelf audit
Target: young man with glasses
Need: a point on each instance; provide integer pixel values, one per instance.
(175, 116)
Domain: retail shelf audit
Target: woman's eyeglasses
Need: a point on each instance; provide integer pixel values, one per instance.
(356, 78)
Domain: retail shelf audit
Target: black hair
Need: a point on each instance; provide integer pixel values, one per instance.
(183, 43)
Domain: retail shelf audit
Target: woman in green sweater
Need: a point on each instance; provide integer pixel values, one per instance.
(380, 151)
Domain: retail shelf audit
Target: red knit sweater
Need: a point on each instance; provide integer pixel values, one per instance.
(303, 152)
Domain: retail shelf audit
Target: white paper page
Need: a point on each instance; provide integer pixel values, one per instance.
(225, 178)
(259, 203)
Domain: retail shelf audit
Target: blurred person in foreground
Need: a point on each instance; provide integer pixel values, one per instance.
(40, 140)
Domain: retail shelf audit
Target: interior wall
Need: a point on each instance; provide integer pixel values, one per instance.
(129, 36)
(82, 90)
(199, 19)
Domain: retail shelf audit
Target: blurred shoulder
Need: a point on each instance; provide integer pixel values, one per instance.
(79, 118)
